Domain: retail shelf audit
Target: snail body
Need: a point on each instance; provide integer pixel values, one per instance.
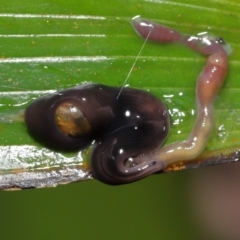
(122, 128)
(70, 119)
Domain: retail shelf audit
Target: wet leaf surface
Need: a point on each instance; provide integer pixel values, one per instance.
(51, 46)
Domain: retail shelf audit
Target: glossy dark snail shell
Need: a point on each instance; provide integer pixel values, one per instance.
(71, 121)
(135, 123)
(93, 103)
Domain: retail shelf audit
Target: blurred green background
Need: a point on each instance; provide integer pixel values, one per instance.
(155, 208)
(159, 207)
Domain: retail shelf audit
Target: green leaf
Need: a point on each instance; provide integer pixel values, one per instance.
(45, 47)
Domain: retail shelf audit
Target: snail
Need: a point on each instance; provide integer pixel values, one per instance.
(123, 126)
(128, 129)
